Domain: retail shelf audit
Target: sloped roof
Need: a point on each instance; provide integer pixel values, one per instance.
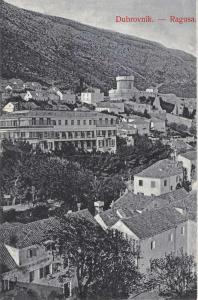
(25, 235)
(189, 204)
(191, 155)
(109, 217)
(154, 222)
(161, 169)
(131, 202)
(84, 213)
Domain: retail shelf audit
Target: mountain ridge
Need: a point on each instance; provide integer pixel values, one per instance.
(46, 48)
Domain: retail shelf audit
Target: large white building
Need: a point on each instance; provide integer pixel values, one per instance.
(51, 129)
(162, 177)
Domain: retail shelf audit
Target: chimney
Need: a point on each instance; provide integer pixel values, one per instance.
(78, 205)
(99, 205)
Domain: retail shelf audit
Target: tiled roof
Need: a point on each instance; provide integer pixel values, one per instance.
(131, 202)
(161, 169)
(25, 235)
(170, 198)
(191, 155)
(109, 217)
(189, 204)
(154, 222)
(84, 213)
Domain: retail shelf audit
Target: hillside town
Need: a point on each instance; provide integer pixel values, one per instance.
(119, 167)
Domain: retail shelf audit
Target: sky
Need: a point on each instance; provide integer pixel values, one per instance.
(102, 14)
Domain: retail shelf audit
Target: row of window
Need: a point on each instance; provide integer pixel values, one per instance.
(106, 143)
(57, 135)
(49, 121)
(153, 183)
(43, 272)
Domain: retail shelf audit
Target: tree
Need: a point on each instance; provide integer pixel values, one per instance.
(175, 273)
(104, 262)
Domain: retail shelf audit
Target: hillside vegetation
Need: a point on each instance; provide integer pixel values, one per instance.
(45, 48)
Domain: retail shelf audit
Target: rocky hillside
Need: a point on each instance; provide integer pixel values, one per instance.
(44, 48)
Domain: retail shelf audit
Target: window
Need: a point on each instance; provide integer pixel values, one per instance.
(78, 122)
(140, 182)
(66, 122)
(153, 184)
(171, 187)
(84, 122)
(106, 121)
(41, 121)
(72, 122)
(111, 121)
(152, 245)
(67, 289)
(54, 122)
(165, 182)
(48, 121)
(170, 237)
(33, 121)
(31, 252)
(41, 273)
(59, 122)
(46, 270)
(182, 230)
(31, 276)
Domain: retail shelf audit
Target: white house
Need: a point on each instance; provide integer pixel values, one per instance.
(159, 232)
(189, 162)
(92, 96)
(162, 177)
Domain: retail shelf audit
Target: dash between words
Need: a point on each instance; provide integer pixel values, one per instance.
(149, 19)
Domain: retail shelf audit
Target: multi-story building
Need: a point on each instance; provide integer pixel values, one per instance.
(162, 177)
(159, 232)
(159, 225)
(51, 129)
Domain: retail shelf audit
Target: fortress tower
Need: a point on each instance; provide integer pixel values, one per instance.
(125, 82)
(125, 89)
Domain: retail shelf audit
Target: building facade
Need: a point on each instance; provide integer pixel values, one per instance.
(92, 96)
(158, 233)
(160, 178)
(51, 129)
